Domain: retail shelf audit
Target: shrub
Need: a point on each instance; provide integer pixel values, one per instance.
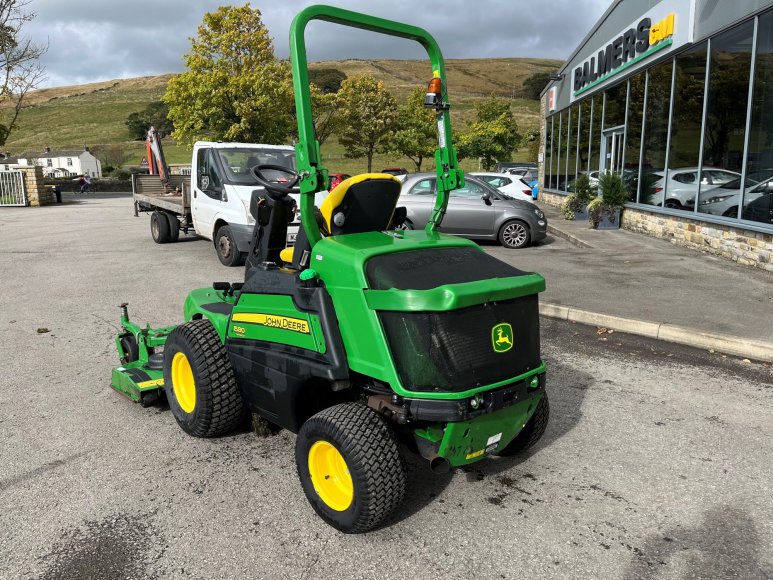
(613, 196)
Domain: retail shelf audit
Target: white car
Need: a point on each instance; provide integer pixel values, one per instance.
(511, 185)
(723, 200)
(682, 184)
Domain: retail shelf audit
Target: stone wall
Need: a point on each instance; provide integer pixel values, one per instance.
(748, 248)
(743, 246)
(37, 192)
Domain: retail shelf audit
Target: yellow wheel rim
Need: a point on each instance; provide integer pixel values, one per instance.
(182, 382)
(330, 476)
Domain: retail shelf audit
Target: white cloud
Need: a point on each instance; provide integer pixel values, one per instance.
(92, 41)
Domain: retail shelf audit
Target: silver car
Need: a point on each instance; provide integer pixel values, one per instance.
(476, 211)
(683, 184)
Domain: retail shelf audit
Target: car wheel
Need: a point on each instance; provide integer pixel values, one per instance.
(350, 467)
(514, 234)
(731, 212)
(406, 224)
(532, 431)
(227, 252)
(199, 381)
(159, 227)
(672, 204)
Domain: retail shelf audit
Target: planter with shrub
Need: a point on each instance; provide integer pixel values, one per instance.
(575, 206)
(604, 211)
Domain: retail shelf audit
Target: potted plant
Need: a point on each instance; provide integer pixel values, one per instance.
(604, 211)
(575, 206)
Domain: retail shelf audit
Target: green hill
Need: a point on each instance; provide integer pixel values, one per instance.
(94, 114)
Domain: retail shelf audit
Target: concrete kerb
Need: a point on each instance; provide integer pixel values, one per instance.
(734, 345)
(572, 239)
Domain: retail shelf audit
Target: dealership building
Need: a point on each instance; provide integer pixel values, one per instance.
(677, 97)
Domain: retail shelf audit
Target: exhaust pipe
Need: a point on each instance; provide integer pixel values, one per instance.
(428, 451)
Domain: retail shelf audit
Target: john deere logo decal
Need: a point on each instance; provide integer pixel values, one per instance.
(502, 337)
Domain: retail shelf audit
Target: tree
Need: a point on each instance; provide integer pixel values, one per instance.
(535, 84)
(416, 134)
(368, 113)
(111, 155)
(328, 80)
(234, 88)
(493, 136)
(19, 63)
(156, 115)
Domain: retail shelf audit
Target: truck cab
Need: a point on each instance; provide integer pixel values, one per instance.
(222, 183)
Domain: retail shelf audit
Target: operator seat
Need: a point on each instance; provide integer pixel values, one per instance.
(363, 203)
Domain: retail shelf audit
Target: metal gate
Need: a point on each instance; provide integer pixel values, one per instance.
(12, 188)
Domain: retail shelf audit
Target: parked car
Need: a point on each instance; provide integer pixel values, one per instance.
(336, 178)
(682, 184)
(512, 185)
(724, 200)
(395, 171)
(476, 211)
(505, 166)
(760, 209)
(528, 173)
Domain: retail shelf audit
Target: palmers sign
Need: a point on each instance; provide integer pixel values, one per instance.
(630, 47)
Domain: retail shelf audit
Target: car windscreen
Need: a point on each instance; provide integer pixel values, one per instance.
(239, 161)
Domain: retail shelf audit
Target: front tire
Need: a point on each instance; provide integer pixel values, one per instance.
(350, 467)
(532, 432)
(159, 227)
(199, 381)
(225, 245)
(514, 234)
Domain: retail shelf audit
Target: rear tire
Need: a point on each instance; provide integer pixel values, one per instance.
(225, 245)
(672, 204)
(174, 227)
(532, 432)
(199, 381)
(514, 234)
(360, 475)
(159, 227)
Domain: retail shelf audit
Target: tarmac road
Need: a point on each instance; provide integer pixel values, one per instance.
(656, 463)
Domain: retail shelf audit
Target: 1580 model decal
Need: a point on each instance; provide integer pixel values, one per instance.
(272, 321)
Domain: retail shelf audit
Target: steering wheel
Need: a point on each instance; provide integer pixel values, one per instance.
(274, 187)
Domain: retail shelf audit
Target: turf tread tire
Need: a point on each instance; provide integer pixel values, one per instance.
(219, 407)
(371, 451)
(532, 432)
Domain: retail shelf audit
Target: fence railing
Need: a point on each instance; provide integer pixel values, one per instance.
(12, 188)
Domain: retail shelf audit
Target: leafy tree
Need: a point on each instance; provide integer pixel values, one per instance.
(416, 134)
(156, 115)
(494, 135)
(326, 116)
(534, 84)
(20, 66)
(328, 80)
(111, 155)
(368, 114)
(234, 88)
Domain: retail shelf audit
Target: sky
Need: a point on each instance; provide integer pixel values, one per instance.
(97, 40)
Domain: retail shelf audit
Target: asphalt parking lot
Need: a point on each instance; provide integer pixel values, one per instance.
(657, 462)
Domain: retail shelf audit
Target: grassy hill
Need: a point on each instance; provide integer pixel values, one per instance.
(94, 114)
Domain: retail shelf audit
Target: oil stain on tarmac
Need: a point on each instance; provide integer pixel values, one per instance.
(118, 547)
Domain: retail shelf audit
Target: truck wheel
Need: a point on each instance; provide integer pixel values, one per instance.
(159, 227)
(350, 467)
(225, 245)
(532, 432)
(514, 234)
(199, 381)
(174, 227)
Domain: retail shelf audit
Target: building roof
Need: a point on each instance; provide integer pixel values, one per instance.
(52, 153)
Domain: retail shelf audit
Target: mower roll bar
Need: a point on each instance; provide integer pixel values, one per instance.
(313, 175)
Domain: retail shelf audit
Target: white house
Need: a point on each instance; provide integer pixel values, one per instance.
(63, 163)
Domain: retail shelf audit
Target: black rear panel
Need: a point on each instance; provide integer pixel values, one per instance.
(426, 269)
(454, 351)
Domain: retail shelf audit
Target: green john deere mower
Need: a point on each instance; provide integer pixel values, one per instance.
(362, 337)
